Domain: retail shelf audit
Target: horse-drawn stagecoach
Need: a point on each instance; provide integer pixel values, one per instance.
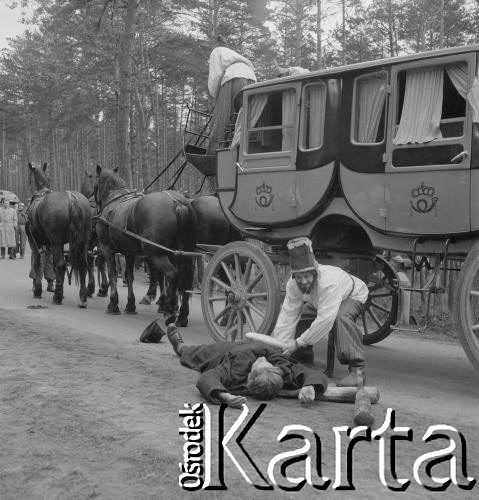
(367, 158)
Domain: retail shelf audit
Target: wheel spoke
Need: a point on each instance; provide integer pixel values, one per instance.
(239, 277)
(475, 327)
(221, 283)
(375, 318)
(221, 314)
(475, 293)
(365, 326)
(380, 307)
(216, 298)
(254, 282)
(247, 272)
(239, 324)
(227, 272)
(256, 309)
(259, 295)
(249, 319)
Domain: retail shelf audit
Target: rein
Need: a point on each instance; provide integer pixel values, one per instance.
(101, 219)
(130, 191)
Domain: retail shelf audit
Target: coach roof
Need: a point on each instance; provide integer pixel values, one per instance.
(379, 63)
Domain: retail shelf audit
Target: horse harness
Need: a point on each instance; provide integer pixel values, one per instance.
(106, 219)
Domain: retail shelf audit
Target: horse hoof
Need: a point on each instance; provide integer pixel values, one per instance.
(145, 300)
(181, 322)
(57, 302)
(170, 319)
(112, 312)
(101, 293)
(82, 305)
(130, 312)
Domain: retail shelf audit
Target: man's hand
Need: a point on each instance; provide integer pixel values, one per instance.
(289, 347)
(232, 400)
(306, 394)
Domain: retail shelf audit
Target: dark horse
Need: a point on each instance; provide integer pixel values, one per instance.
(211, 228)
(88, 190)
(53, 219)
(129, 220)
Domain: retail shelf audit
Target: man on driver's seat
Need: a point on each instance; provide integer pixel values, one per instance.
(334, 296)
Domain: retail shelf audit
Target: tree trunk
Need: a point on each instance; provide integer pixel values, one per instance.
(126, 46)
(319, 49)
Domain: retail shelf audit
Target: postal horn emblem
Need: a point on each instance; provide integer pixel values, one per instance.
(423, 198)
(264, 196)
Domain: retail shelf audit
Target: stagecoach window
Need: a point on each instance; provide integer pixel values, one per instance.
(369, 109)
(431, 104)
(271, 121)
(312, 116)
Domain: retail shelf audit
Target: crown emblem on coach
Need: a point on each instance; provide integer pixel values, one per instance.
(423, 190)
(423, 199)
(264, 189)
(264, 196)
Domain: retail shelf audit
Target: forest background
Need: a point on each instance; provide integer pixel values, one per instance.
(108, 81)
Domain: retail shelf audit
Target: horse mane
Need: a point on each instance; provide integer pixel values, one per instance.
(108, 182)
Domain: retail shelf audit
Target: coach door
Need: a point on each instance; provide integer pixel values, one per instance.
(428, 153)
(266, 181)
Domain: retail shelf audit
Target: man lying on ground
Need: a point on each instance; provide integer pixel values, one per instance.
(232, 370)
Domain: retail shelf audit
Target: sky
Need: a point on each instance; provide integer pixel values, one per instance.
(10, 24)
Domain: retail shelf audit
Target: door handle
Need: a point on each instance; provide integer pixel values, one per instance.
(460, 156)
(240, 168)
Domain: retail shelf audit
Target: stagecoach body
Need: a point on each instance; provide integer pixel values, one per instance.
(374, 156)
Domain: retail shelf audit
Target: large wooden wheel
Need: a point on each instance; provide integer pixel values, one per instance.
(466, 306)
(240, 292)
(381, 308)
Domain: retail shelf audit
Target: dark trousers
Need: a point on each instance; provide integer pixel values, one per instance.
(348, 340)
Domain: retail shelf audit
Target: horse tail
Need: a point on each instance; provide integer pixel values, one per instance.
(78, 231)
(186, 240)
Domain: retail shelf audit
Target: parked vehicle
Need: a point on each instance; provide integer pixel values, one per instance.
(364, 159)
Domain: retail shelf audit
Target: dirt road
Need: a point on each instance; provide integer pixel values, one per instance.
(86, 411)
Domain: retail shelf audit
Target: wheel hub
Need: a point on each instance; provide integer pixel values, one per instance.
(237, 297)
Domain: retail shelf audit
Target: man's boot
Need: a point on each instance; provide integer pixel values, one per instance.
(175, 338)
(355, 377)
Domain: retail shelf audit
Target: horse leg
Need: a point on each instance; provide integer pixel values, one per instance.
(164, 265)
(151, 292)
(83, 269)
(103, 279)
(129, 269)
(184, 311)
(36, 272)
(60, 267)
(112, 307)
(91, 275)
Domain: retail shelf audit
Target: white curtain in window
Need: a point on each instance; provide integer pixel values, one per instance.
(238, 127)
(473, 98)
(422, 106)
(289, 112)
(371, 95)
(256, 107)
(258, 102)
(458, 75)
(315, 117)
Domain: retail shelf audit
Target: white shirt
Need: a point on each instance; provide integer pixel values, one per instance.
(332, 286)
(226, 64)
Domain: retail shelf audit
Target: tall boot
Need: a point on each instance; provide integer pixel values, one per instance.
(2, 253)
